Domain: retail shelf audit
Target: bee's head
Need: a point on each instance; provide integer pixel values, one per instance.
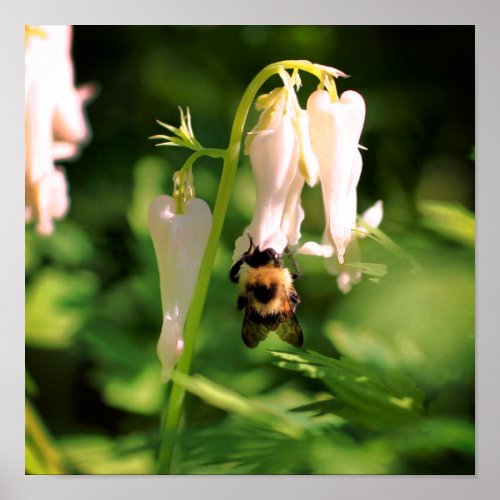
(263, 257)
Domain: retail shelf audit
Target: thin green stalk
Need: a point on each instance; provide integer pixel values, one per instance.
(176, 398)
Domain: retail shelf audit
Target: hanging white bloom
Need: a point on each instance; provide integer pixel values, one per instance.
(372, 217)
(179, 240)
(55, 124)
(347, 274)
(335, 129)
(282, 160)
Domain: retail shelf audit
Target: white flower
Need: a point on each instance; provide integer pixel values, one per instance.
(290, 147)
(335, 129)
(282, 160)
(348, 275)
(54, 121)
(179, 241)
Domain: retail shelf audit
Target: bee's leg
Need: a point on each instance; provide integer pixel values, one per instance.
(242, 302)
(293, 264)
(294, 299)
(235, 269)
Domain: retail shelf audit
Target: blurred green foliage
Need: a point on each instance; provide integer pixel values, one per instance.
(385, 384)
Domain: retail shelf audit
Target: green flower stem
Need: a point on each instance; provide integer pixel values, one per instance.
(231, 157)
(188, 164)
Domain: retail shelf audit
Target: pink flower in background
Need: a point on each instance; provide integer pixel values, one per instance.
(55, 124)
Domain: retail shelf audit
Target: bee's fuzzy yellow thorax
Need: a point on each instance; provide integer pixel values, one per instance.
(264, 275)
(268, 276)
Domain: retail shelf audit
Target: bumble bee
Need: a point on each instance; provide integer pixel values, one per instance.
(268, 296)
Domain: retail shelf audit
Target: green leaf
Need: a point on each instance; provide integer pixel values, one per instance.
(69, 245)
(374, 270)
(385, 241)
(30, 385)
(184, 134)
(280, 421)
(421, 325)
(451, 220)
(57, 305)
(234, 447)
(42, 455)
(140, 393)
(95, 454)
(126, 369)
(369, 396)
(434, 436)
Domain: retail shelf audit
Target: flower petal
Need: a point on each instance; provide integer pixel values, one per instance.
(179, 241)
(373, 216)
(308, 163)
(335, 132)
(346, 275)
(293, 213)
(274, 157)
(51, 200)
(167, 347)
(313, 248)
(55, 125)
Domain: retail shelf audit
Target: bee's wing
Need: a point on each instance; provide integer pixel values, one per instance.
(289, 330)
(254, 329)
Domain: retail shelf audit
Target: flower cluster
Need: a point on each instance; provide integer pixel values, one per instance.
(55, 124)
(288, 148)
(291, 146)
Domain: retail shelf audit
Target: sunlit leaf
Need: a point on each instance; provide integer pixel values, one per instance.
(375, 270)
(42, 454)
(451, 220)
(141, 393)
(225, 399)
(57, 305)
(95, 454)
(369, 396)
(69, 245)
(421, 325)
(385, 241)
(236, 448)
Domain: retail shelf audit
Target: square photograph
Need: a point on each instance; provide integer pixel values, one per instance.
(249, 250)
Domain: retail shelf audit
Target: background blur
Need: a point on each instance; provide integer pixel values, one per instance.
(401, 400)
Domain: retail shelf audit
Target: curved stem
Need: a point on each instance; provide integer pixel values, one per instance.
(188, 164)
(231, 156)
(211, 152)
